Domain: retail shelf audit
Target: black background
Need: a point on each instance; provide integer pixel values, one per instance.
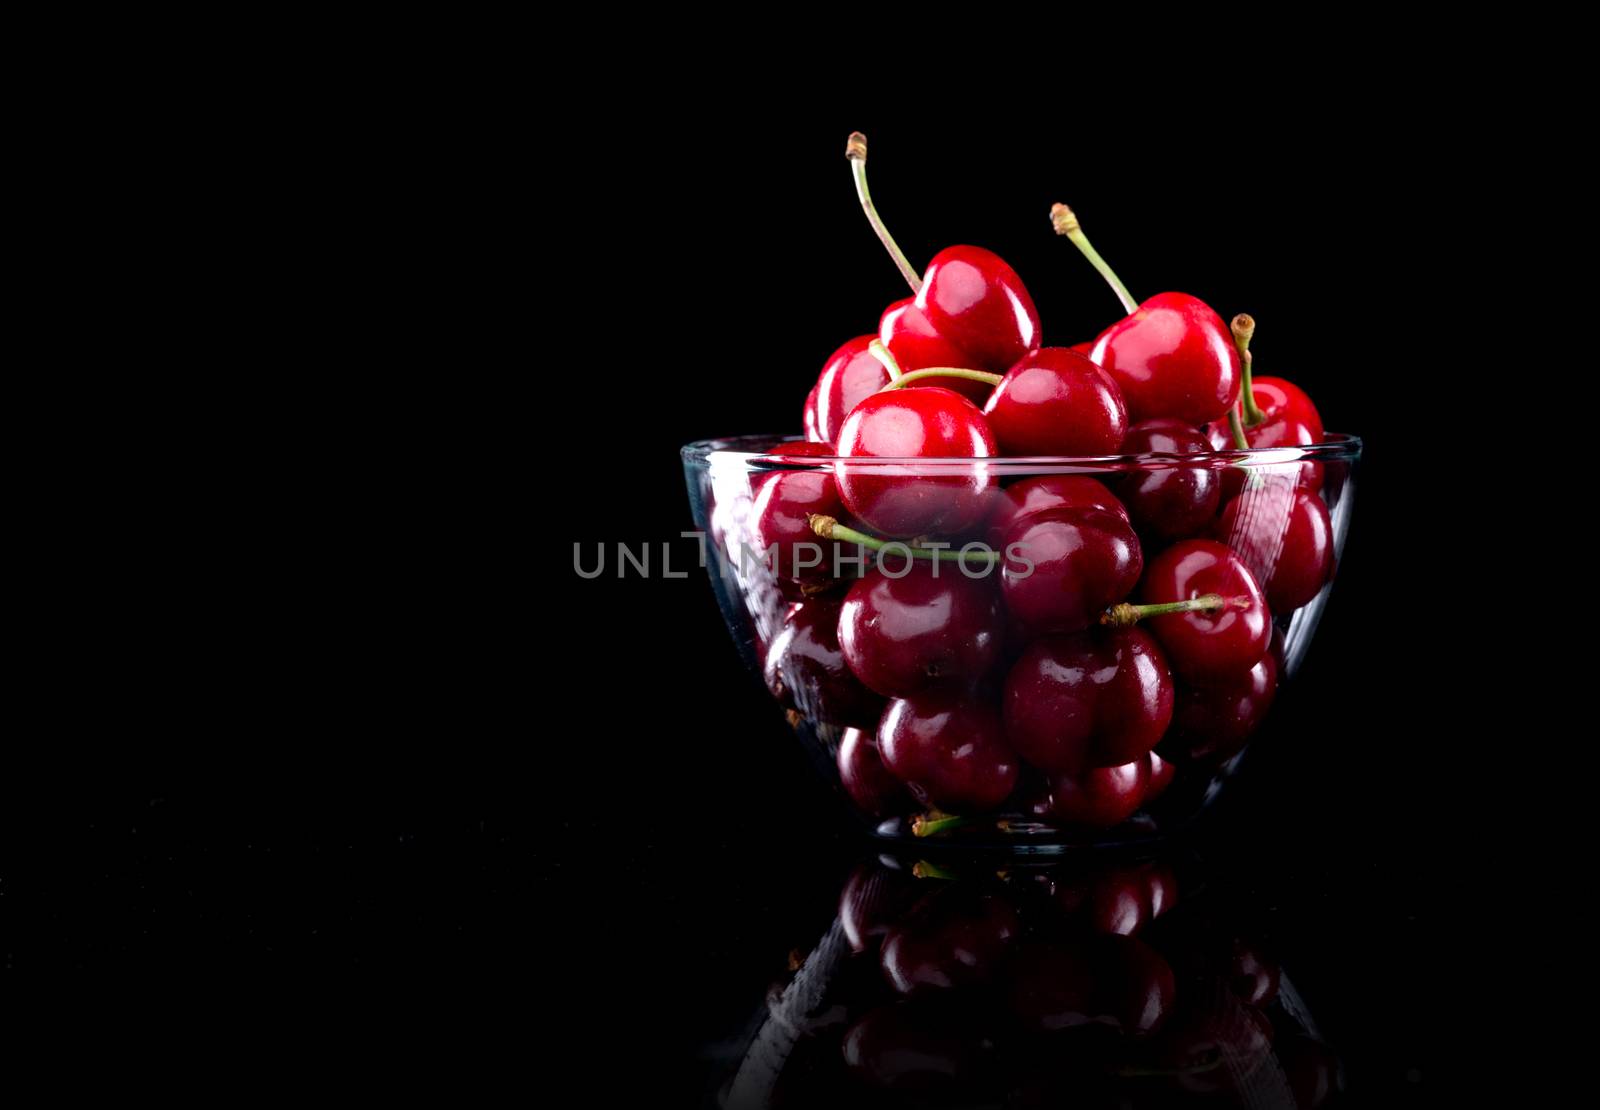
(452, 794)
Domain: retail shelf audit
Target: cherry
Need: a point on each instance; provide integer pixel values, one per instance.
(1065, 983)
(970, 309)
(932, 626)
(1311, 1069)
(1101, 796)
(1114, 901)
(851, 375)
(1288, 418)
(785, 501)
(1162, 772)
(1088, 700)
(805, 667)
(1213, 721)
(953, 938)
(1047, 491)
(872, 898)
(1064, 566)
(916, 423)
(916, 1048)
(1253, 977)
(1178, 501)
(1285, 537)
(1205, 608)
(1056, 402)
(949, 750)
(1172, 355)
(866, 779)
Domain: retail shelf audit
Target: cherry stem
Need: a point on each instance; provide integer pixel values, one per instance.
(855, 149)
(1125, 615)
(933, 823)
(830, 529)
(923, 869)
(878, 351)
(1065, 222)
(943, 372)
(1243, 327)
(1237, 429)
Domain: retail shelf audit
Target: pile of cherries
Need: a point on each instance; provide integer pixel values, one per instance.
(1058, 986)
(1107, 633)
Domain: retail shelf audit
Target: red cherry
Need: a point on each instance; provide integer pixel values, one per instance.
(952, 938)
(1083, 348)
(1162, 771)
(1064, 566)
(1178, 501)
(850, 376)
(949, 751)
(1285, 537)
(1206, 644)
(1173, 357)
(931, 627)
(1214, 720)
(804, 667)
(1056, 402)
(864, 777)
(872, 898)
(1088, 700)
(1101, 796)
(784, 502)
(916, 423)
(1289, 419)
(1048, 491)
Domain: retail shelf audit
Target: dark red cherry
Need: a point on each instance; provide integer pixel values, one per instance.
(923, 423)
(1215, 719)
(949, 750)
(1056, 402)
(1064, 566)
(805, 668)
(916, 1049)
(850, 376)
(1253, 976)
(1283, 535)
(1160, 882)
(868, 782)
(932, 626)
(1162, 772)
(1050, 984)
(953, 938)
(1289, 419)
(872, 898)
(1204, 645)
(1137, 984)
(1101, 796)
(1116, 900)
(1094, 699)
(1047, 491)
(1173, 357)
(784, 501)
(1176, 501)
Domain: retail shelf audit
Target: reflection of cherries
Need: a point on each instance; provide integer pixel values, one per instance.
(1311, 1069)
(1101, 796)
(1285, 533)
(1213, 720)
(1054, 985)
(805, 667)
(1047, 491)
(933, 626)
(914, 1047)
(1056, 402)
(1209, 643)
(1069, 565)
(1253, 976)
(872, 898)
(917, 424)
(949, 750)
(953, 938)
(1088, 700)
(1180, 500)
(864, 777)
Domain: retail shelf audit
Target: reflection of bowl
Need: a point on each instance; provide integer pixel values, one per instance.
(1129, 982)
(961, 642)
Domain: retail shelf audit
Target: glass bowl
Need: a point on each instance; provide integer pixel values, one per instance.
(1000, 679)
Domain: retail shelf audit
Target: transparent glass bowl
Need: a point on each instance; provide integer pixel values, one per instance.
(1273, 507)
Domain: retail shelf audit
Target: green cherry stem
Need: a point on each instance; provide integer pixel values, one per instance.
(830, 529)
(942, 372)
(878, 351)
(1065, 222)
(1243, 327)
(1237, 430)
(934, 823)
(1125, 615)
(855, 149)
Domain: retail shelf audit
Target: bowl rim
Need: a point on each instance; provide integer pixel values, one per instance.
(737, 450)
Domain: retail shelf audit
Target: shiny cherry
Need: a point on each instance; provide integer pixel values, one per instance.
(949, 750)
(804, 667)
(872, 899)
(953, 938)
(1056, 402)
(1286, 537)
(1178, 501)
(1047, 491)
(864, 777)
(1101, 796)
(1088, 700)
(1162, 771)
(1064, 566)
(1172, 357)
(784, 503)
(1213, 720)
(931, 627)
(916, 423)
(1288, 417)
(1205, 644)
(850, 376)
